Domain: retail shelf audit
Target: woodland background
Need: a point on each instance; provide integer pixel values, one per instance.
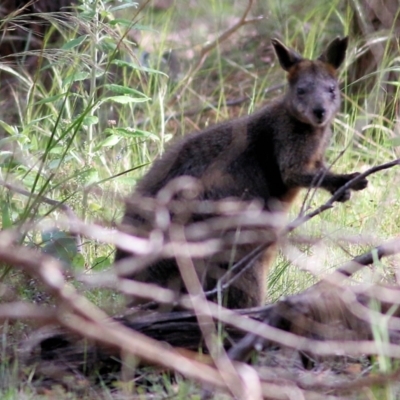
(89, 97)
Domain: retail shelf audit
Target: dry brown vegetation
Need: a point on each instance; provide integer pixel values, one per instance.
(338, 339)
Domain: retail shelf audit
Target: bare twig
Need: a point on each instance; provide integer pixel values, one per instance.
(81, 316)
(387, 249)
(206, 324)
(329, 204)
(243, 349)
(57, 204)
(225, 35)
(272, 334)
(213, 106)
(213, 44)
(26, 311)
(251, 257)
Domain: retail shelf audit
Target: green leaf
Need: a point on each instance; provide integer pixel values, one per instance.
(124, 90)
(132, 132)
(79, 76)
(86, 14)
(127, 180)
(124, 6)
(108, 142)
(60, 245)
(51, 99)
(125, 99)
(94, 207)
(122, 21)
(90, 120)
(395, 141)
(137, 67)
(90, 176)
(54, 164)
(6, 221)
(101, 263)
(78, 262)
(74, 42)
(12, 130)
(141, 27)
(131, 24)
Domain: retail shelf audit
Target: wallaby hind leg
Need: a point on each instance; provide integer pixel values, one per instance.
(250, 288)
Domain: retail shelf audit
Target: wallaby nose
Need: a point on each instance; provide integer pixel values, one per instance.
(319, 112)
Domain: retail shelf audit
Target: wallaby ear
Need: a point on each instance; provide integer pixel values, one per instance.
(335, 53)
(287, 57)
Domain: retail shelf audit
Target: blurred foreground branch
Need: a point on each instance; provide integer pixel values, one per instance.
(305, 323)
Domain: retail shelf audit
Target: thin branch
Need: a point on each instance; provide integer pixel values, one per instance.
(213, 106)
(26, 311)
(329, 204)
(79, 315)
(250, 258)
(272, 334)
(213, 44)
(243, 349)
(56, 204)
(196, 294)
(59, 204)
(225, 35)
(89, 321)
(384, 250)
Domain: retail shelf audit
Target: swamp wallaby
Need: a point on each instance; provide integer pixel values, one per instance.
(267, 156)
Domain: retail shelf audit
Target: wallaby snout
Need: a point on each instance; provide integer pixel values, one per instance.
(319, 113)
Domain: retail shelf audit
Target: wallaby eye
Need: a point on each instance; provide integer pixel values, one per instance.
(301, 91)
(331, 89)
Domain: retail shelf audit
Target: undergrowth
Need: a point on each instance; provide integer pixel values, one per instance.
(84, 124)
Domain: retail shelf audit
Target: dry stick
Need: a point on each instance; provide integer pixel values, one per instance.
(33, 259)
(229, 374)
(62, 206)
(290, 340)
(296, 222)
(51, 275)
(195, 111)
(329, 204)
(250, 258)
(244, 348)
(81, 316)
(23, 310)
(384, 250)
(213, 44)
(373, 380)
(262, 330)
(287, 390)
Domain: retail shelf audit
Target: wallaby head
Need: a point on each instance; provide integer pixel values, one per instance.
(313, 94)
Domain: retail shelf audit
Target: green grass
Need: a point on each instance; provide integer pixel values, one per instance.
(85, 126)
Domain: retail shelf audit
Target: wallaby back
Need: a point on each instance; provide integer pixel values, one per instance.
(267, 156)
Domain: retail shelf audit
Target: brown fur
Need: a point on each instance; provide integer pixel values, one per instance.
(267, 156)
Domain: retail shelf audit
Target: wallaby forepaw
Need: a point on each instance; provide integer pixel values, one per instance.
(360, 184)
(344, 196)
